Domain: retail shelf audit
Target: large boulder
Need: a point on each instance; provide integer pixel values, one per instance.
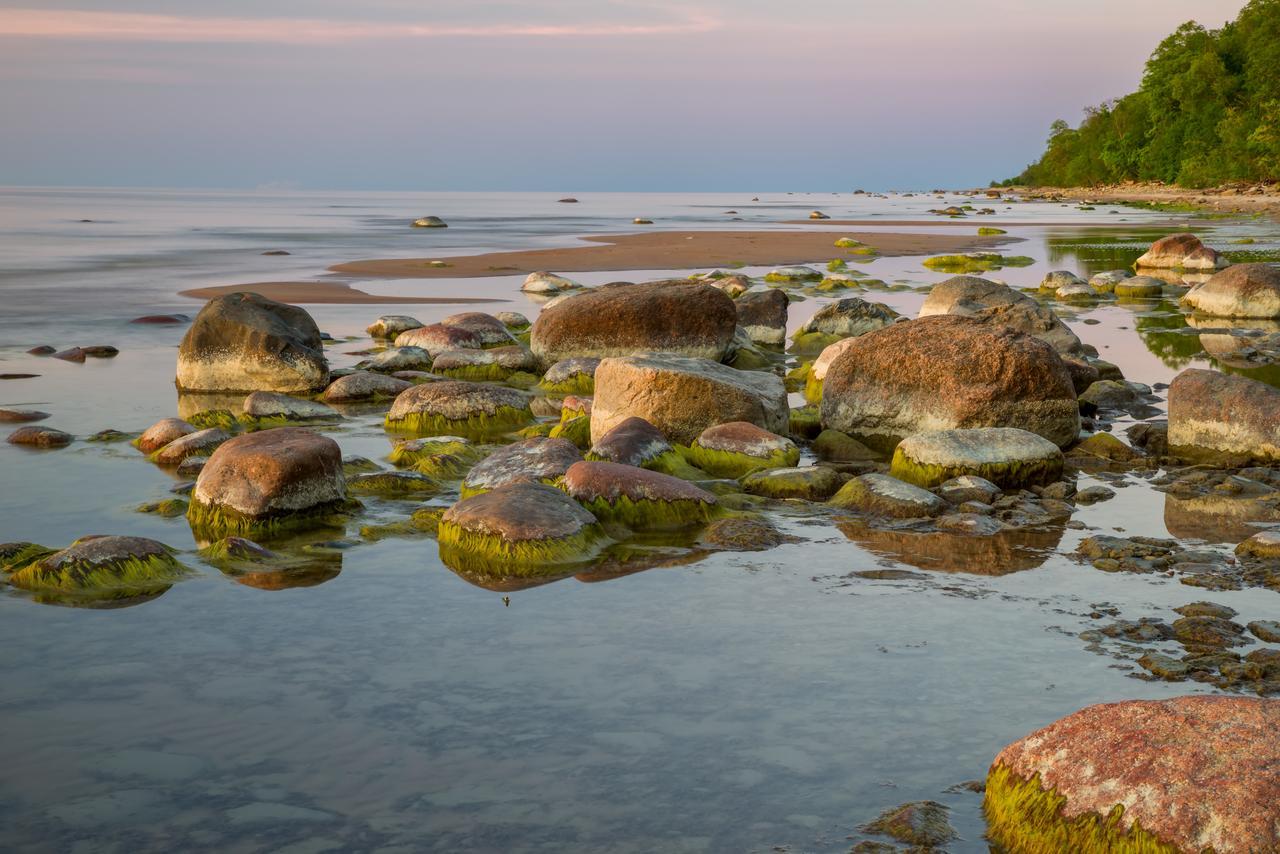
(101, 570)
(455, 407)
(1213, 414)
(263, 481)
(997, 304)
(1241, 290)
(1181, 252)
(684, 396)
(490, 331)
(1189, 774)
(844, 318)
(639, 499)
(946, 372)
(680, 317)
(1006, 456)
(244, 342)
(437, 338)
(763, 315)
(539, 460)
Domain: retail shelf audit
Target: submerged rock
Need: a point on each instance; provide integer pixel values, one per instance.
(539, 460)
(429, 222)
(678, 317)
(393, 484)
(455, 407)
(1005, 456)
(40, 437)
(1139, 287)
(265, 481)
(1187, 774)
(1211, 413)
(639, 499)
(684, 396)
(739, 448)
(244, 342)
(1181, 252)
(945, 372)
(1241, 290)
(921, 823)
(743, 534)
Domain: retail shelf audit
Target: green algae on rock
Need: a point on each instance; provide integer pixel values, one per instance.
(577, 430)
(574, 375)
(408, 453)
(18, 554)
(1006, 456)
(519, 529)
(786, 275)
(920, 823)
(882, 495)
(456, 407)
(542, 460)
(166, 508)
(101, 570)
(812, 483)
(492, 364)
(638, 499)
(636, 442)
(739, 448)
(975, 262)
(393, 484)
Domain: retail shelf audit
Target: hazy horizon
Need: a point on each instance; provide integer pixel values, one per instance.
(557, 96)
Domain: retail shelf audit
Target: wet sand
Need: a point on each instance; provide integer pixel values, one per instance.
(323, 292)
(669, 250)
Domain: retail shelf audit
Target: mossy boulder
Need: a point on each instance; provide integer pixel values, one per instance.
(575, 375)
(1241, 290)
(787, 275)
(393, 484)
(738, 448)
(487, 329)
(390, 325)
(162, 433)
(683, 396)
(636, 498)
(1264, 545)
(948, 372)
(1006, 456)
(812, 483)
(999, 305)
(836, 447)
(743, 533)
(395, 359)
(1182, 251)
(679, 317)
(636, 442)
(272, 409)
(201, 443)
(456, 407)
(538, 460)
(817, 372)
(520, 529)
(1213, 414)
(1189, 774)
(363, 387)
(577, 430)
(412, 453)
(844, 318)
(101, 570)
(266, 481)
(1139, 287)
(244, 342)
(763, 315)
(496, 363)
(1105, 282)
(882, 495)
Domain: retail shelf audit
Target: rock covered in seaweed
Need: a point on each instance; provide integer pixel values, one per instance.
(575, 375)
(162, 433)
(679, 317)
(882, 495)
(1006, 456)
(456, 407)
(945, 372)
(683, 396)
(198, 444)
(364, 386)
(639, 499)
(101, 570)
(495, 363)
(269, 407)
(846, 318)
(738, 448)
(244, 342)
(1188, 774)
(538, 460)
(636, 442)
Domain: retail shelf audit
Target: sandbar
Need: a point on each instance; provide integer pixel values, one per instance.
(323, 292)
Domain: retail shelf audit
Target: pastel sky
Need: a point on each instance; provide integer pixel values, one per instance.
(558, 95)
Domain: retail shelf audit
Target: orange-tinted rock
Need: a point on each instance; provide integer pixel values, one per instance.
(198, 444)
(437, 338)
(272, 473)
(491, 331)
(632, 442)
(40, 437)
(1216, 413)
(162, 433)
(1241, 290)
(592, 480)
(1181, 252)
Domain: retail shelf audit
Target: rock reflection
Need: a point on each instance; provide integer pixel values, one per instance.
(618, 561)
(1218, 518)
(305, 564)
(996, 554)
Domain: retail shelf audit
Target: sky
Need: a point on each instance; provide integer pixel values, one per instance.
(558, 95)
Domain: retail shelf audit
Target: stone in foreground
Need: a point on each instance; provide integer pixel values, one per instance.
(101, 570)
(265, 481)
(639, 499)
(945, 372)
(679, 317)
(1181, 252)
(244, 342)
(1190, 774)
(537, 460)
(520, 529)
(1241, 290)
(1006, 456)
(684, 396)
(739, 448)
(1213, 414)
(882, 495)
(458, 408)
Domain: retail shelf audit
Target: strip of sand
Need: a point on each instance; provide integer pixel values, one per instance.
(323, 292)
(669, 250)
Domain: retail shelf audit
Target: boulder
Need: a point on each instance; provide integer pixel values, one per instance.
(269, 480)
(21, 416)
(966, 488)
(683, 396)
(1213, 414)
(101, 570)
(1005, 456)
(390, 325)
(397, 359)
(489, 330)
(1000, 305)
(429, 222)
(1241, 290)
(739, 448)
(1105, 283)
(393, 484)
(882, 495)
(437, 338)
(636, 498)
(40, 437)
(733, 285)
(811, 483)
(162, 433)
(520, 529)
(575, 375)
(679, 317)
(763, 315)
(201, 443)
(844, 318)
(244, 342)
(364, 386)
(1188, 774)
(547, 283)
(455, 407)
(513, 320)
(1139, 287)
(1060, 278)
(496, 363)
(635, 442)
(538, 460)
(818, 371)
(269, 407)
(1181, 252)
(946, 372)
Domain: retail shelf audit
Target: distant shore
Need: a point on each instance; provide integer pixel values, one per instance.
(335, 293)
(1244, 199)
(670, 250)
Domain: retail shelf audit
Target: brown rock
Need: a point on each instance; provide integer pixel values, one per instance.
(162, 433)
(21, 416)
(364, 385)
(272, 473)
(999, 305)
(1241, 290)
(1212, 413)
(679, 317)
(763, 314)
(40, 437)
(532, 460)
(591, 480)
(437, 338)
(1181, 252)
(490, 331)
(198, 444)
(633, 442)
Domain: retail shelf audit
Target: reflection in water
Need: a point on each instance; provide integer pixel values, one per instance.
(1163, 331)
(193, 403)
(630, 558)
(998, 554)
(1218, 518)
(303, 561)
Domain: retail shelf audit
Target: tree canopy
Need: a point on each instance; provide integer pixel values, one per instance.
(1207, 112)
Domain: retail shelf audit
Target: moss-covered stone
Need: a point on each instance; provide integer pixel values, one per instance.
(1008, 457)
(975, 262)
(805, 421)
(737, 449)
(393, 484)
(798, 376)
(168, 507)
(456, 408)
(813, 483)
(101, 570)
(836, 447)
(576, 430)
(19, 554)
(408, 453)
(638, 499)
(986, 231)
(223, 419)
(920, 823)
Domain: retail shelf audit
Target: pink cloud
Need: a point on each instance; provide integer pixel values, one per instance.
(125, 26)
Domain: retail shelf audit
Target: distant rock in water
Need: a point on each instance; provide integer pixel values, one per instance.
(1241, 290)
(390, 325)
(21, 416)
(42, 350)
(818, 215)
(547, 283)
(276, 252)
(161, 319)
(641, 221)
(244, 342)
(1181, 252)
(568, 201)
(429, 222)
(40, 437)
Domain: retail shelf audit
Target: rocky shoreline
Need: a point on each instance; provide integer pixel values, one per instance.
(1262, 199)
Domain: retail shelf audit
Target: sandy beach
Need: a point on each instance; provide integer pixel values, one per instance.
(669, 250)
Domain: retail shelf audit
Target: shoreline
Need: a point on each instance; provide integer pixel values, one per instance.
(1244, 200)
(322, 293)
(670, 250)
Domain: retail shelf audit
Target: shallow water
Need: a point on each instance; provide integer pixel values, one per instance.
(734, 703)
